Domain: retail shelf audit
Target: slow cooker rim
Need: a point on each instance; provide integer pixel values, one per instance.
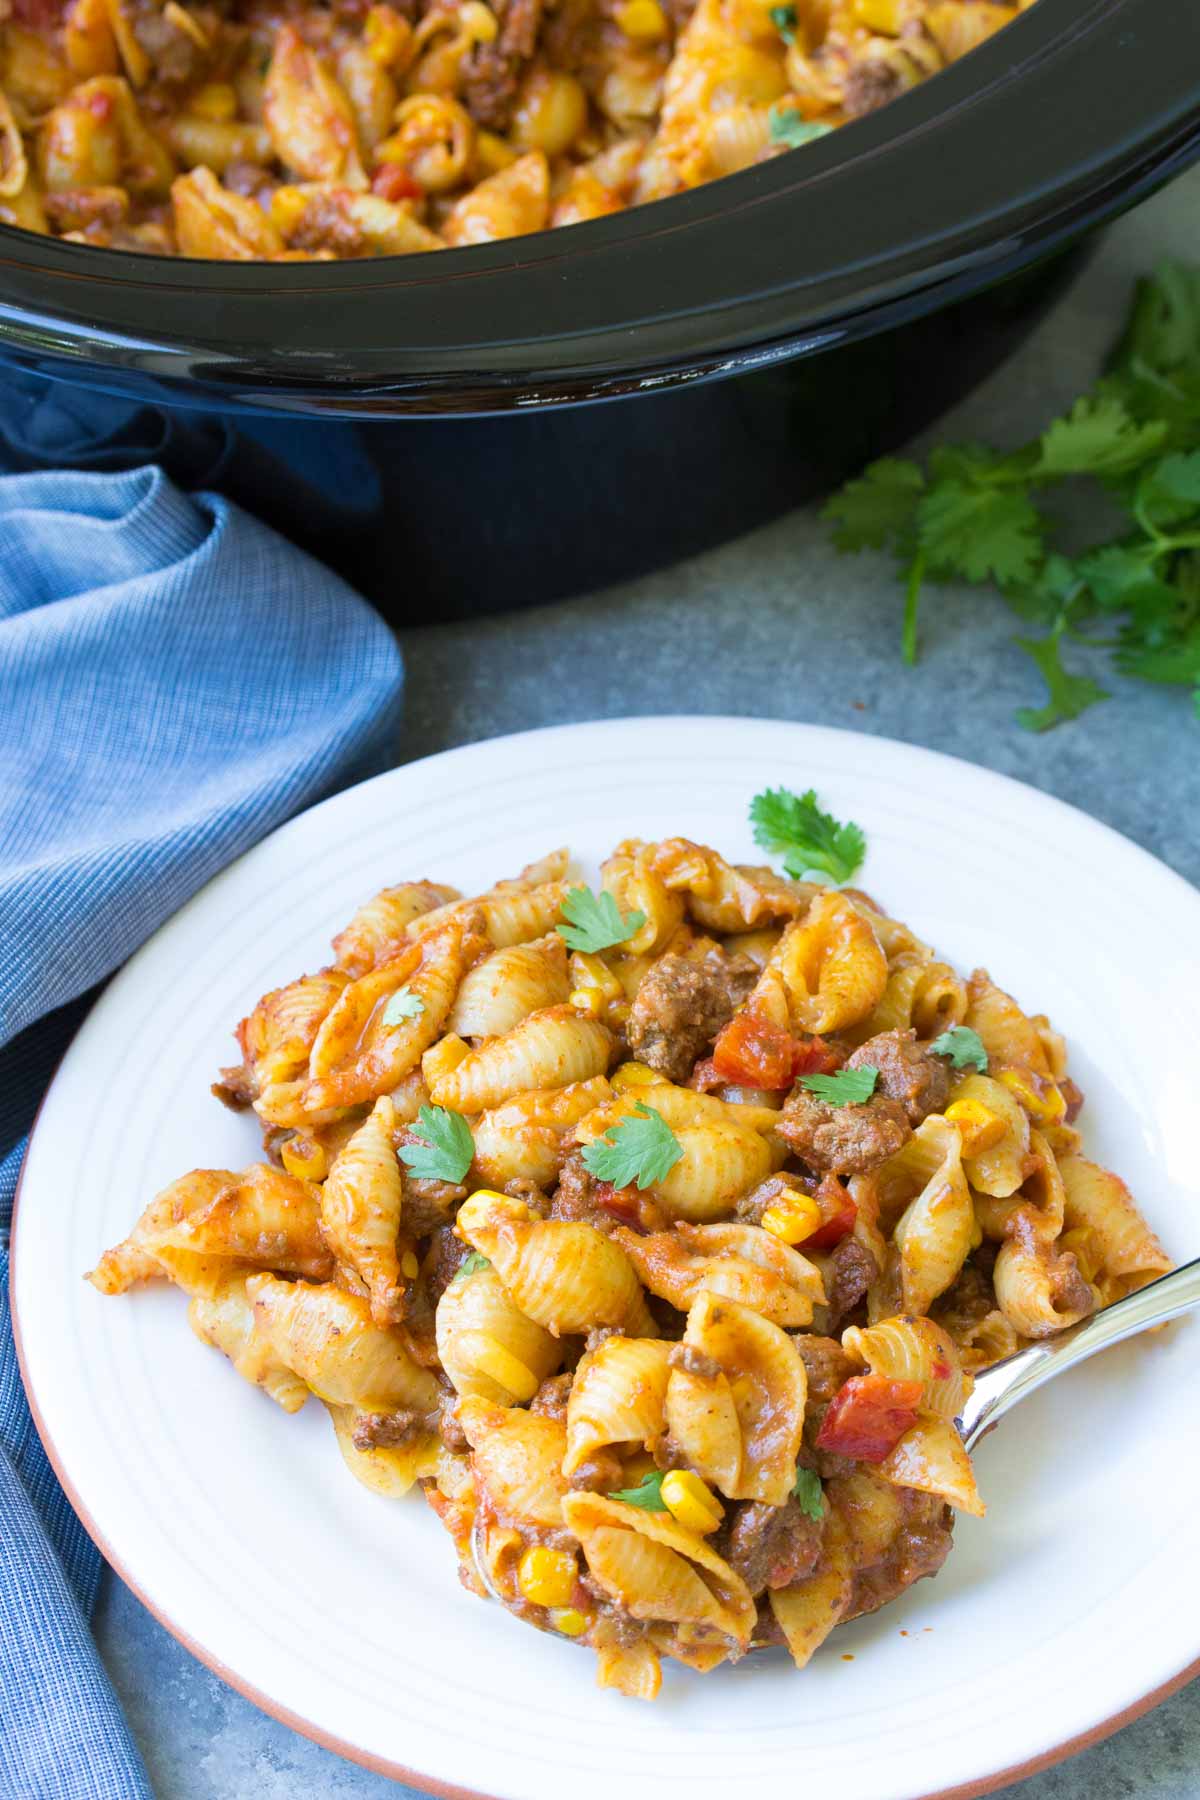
(682, 289)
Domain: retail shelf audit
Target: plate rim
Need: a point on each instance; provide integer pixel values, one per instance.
(430, 1784)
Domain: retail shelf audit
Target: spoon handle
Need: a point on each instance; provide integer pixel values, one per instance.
(1001, 1386)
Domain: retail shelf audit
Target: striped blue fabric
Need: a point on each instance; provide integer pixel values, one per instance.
(175, 680)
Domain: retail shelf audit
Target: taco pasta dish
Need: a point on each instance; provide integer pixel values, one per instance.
(251, 130)
(652, 1233)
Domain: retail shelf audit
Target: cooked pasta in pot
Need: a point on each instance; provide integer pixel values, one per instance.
(280, 130)
(655, 1233)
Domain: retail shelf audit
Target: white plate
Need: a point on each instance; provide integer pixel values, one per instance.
(1072, 1605)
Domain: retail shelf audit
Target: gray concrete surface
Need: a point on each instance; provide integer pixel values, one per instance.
(776, 625)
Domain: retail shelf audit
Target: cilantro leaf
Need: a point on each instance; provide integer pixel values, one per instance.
(785, 126)
(471, 1265)
(1169, 491)
(403, 1005)
(783, 18)
(878, 507)
(1070, 695)
(444, 1149)
(647, 1494)
(979, 532)
(808, 1492)
(809, 840)
(595, 921)
(1097, 437)
(640, 1148)
(964, 1047)
(849, 1087)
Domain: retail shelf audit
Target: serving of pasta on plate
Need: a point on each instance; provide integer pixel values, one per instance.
(655, 1232)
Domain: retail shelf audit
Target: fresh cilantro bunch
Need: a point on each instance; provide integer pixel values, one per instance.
(975, 514)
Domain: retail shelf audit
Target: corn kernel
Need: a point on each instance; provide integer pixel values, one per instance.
(478, 22)
(691, 1502)
(569, 1620)
(792, 1219)
(587, 1000)
(288, 206)
(979, 1127)
(1039, 1096)
(643, 20)
(492, 153)
(490, 1357)
(305, 1159)
(886, 16)
(634, 1075)
(547, 1577)
(410, 1268)
(386, 35)
(215, 100)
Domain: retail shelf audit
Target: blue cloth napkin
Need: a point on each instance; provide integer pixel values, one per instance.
(175, 680)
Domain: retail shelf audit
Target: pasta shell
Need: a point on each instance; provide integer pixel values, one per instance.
(487, 1346)
(525, 1139)
(931, 1458)
(1009, 1036)
(517, 1461)
(657, 1571)
(377, 927)
(617, 1397)
(549, 1048)
(133, 1260)
(810, 1609)
(329, 1339)
(831, 965)
(565, 1274)
(933, 1235)
(510, 984)
(1096, 1200)
(360, 1212)
(740, 1428)
(910, 1349)
(277, 1037)
(725, 897)
(265, 1217)
(742, 1263)
(225, 1319)
(358, 1055)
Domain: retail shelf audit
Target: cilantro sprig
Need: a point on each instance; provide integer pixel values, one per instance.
(810, 841)
(647, 1494)
(785, 21)
(964, 1047)
(975, 514)
(784, 124)
(471, 1265)
(848, 1087)
(445, 1148)
(595, 921)
(808, 1492)
(641, 1148)
(404, 1004)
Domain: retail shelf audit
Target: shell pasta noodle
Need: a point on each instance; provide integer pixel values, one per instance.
(654, 1235)
(354, 128)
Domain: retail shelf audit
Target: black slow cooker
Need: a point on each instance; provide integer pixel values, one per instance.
(508, 423)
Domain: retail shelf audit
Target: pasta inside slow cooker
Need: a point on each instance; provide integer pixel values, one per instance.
(249, 130)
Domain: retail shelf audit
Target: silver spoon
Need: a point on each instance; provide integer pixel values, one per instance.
(1001, 1386)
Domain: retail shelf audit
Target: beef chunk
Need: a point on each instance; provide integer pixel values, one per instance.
(772, 1546)
(492, 72)
(551, 1398)
(600, 1473)
(384, 1430)
(580, 1196)
(751, 1207)
(694, 1362)
(681, 1005)
(846, 1140)
(449, 1255)
(919, 1548)
(869, 85)
(850, 1272)
(907, 1073)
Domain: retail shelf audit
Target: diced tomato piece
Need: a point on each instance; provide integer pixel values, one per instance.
(628, 1206)
(868, 1416)
(754, 1051)
(392, 181)
(704, 1077)
(100, 105)
(815, 1057)
(838, 1213)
